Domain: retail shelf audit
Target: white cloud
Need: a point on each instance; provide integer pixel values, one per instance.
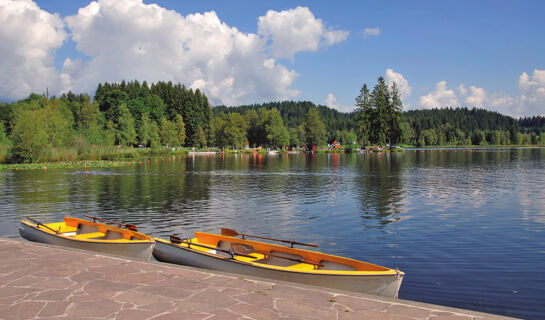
(441, 96)
(529, 102)
(331, 102)
(477, 97)
(127, 39)
(29, 37)
(532, 92)
(294, 30)
(371, 32)
(132, 40)
(402, 84)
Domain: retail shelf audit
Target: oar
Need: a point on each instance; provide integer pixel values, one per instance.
(282, 257)
(38, 224)
(131, 227)
(233, 233)
(176, 240)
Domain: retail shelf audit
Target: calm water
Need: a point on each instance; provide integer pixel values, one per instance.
(467, 226)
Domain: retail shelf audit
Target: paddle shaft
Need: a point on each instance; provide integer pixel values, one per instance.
(131, 227)
(38, 224)
(231, 232)
(293, 259)
(281, 257)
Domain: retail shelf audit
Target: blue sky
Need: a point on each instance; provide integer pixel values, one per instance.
(487, 54)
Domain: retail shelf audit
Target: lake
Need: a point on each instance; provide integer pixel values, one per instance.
(467, 226)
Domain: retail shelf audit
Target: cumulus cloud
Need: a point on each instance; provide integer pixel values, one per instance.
(29, 37)
(132, 40)
(532, 92)
(294, 30)
(530, 100)
(477, 97)
(371, 32)
(441, 96)
(331, 102)
(128, 39)
(402, 84)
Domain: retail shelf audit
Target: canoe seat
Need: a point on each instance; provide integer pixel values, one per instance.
(113, 235)
(85, 228)
(275, 261)
(330, 265)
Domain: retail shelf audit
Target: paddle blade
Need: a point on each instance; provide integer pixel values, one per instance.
(131, 227)
(228, 232)
(174, 239)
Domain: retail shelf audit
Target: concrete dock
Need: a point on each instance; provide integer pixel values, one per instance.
(44, 282)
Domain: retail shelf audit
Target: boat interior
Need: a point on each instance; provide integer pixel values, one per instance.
(88, 230)
(269, 254)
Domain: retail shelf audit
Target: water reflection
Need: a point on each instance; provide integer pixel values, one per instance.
(465, 225)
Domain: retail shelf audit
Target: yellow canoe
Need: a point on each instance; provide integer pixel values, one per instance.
(89, 235)
(263, 259)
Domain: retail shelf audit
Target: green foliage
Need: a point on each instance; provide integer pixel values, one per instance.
(230, 130)
(3, 137)
(199, 139)
(180, 129)
(29, 136)
(144, 130)
(314, 128)
(169, 134)
(379, 118)
(296, 136)
(277, 134)
(109, 133)
(126, 134)
(293, 114)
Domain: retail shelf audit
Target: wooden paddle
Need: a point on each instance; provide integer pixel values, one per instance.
(234, 245)
(176, 240)
(38, 224)
(233, 233)
(131, 227)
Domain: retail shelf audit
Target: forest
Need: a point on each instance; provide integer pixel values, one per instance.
(164, 114)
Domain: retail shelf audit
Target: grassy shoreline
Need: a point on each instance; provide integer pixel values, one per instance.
(114, 156)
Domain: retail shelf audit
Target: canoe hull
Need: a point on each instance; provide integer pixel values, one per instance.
(142, 250)
(382, 285)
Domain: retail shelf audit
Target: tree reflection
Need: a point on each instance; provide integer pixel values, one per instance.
(380, 189)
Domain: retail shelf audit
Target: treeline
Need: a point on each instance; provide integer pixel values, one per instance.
(167, 114)
(463, 126)
(293, 114)
(130, 114)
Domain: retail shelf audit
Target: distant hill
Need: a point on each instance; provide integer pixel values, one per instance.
(436, 126)
(293, 114)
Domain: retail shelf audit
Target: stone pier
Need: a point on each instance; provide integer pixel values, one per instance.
(43, 282)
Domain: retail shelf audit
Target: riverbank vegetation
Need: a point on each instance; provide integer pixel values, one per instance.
(129, 120)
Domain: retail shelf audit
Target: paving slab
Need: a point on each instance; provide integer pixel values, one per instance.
(39, 281)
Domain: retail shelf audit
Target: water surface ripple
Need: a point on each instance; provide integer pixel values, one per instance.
(467, 226)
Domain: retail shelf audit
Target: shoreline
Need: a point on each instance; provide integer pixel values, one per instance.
(179, 154)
